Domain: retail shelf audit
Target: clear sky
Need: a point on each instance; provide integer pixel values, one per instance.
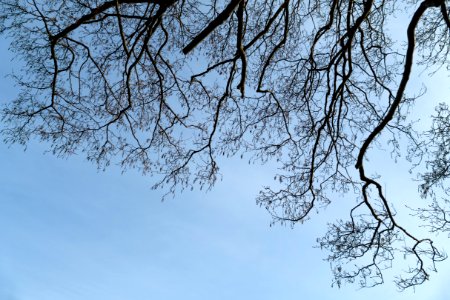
(69, 232)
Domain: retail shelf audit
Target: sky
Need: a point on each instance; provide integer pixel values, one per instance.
(71, 232)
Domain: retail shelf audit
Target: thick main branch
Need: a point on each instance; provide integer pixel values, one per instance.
(222, 17)
(98, 10)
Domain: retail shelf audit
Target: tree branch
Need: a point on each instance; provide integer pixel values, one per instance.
(222, 17)
(95, 11)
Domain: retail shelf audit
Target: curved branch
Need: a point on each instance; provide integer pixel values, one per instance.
(401, 89)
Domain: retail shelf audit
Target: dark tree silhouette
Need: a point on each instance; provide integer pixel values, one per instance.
(169, 86)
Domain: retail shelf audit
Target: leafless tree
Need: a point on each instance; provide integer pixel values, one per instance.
(169, 86)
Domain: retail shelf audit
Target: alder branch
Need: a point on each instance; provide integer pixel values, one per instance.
(216, 22)
(98, 10)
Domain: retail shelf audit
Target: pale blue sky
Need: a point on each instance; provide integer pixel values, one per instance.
(68, 232)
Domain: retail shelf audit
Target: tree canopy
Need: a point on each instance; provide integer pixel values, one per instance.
(170, 86)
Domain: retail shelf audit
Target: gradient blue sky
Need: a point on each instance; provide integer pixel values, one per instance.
(69, 232)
